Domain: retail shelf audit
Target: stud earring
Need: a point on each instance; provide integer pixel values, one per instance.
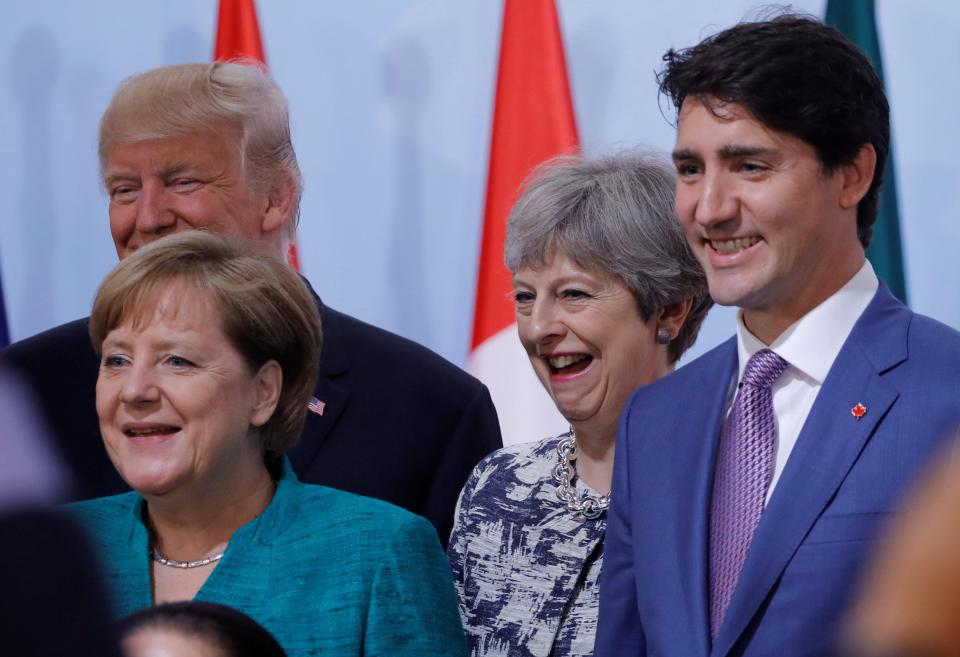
(663, 335)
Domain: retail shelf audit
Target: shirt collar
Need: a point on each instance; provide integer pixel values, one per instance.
(812, 343)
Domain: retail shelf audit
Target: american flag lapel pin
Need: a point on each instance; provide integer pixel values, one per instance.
(316, 406)
(858, 411)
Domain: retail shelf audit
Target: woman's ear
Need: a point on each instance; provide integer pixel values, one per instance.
(858, 176)
(670, 320)
(268, 384)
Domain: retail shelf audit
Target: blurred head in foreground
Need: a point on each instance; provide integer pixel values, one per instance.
(196, 629)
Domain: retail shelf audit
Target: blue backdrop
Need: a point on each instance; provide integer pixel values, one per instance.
(391, 105)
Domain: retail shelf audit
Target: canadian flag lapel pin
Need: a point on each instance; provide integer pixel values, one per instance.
(858, 411)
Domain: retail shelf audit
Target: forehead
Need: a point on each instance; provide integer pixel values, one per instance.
(713, 127)
(557, 264)
(165, 641)
(176, 303)
(199, 149)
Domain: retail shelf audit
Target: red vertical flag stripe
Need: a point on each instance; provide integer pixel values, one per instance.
(238, 37)
(533, 121)
(238, 32)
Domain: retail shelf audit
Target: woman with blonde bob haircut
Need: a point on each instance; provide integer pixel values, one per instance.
(209, 352)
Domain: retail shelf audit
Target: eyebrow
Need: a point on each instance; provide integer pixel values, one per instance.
(113, 343)
(728, 152)
(173, 169)
(118, 177)
(566, 279)
(733, 151)
(165, 171)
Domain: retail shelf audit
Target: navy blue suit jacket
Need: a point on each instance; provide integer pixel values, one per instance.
(841, 483)
(400, 423)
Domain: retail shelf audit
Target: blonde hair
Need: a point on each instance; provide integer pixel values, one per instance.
(236, 100)
(266, 311)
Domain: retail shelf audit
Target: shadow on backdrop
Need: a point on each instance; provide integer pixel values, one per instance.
(593, 73)
(405, 85)
(34, 68)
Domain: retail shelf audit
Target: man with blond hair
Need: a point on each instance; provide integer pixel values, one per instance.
(208, 146)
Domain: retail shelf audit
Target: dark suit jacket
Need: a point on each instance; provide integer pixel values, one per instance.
(841, 483)
(400, 423)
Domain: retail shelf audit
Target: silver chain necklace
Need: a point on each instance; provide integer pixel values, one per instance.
(591, 506)
(173, 563)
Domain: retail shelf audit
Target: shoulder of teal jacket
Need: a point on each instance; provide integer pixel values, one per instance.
(338, 518)
(103, 513)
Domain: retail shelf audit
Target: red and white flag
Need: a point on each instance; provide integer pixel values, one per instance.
(238, 37)
(533, 121)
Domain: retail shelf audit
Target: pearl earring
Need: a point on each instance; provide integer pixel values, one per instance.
(663, 335)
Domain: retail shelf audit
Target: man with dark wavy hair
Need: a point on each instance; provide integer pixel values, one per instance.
(750, 485)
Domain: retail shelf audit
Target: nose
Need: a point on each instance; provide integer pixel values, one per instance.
(545, 324)
(717, 200)
(139, 386)
(154, 216)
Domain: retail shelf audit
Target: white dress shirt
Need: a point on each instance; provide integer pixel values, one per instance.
(809, 345)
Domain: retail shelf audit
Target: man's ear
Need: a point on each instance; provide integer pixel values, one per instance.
(858, 176)
(278, 205)
(269, 384)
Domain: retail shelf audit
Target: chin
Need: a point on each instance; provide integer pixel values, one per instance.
(724, 294)
(573, 414)
(150, 480)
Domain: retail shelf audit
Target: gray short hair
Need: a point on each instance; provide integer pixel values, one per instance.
(612, 214)
(236, 100)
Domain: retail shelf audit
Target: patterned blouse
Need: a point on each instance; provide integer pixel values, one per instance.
(525, 567)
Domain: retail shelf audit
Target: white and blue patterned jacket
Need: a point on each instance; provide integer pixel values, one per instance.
(525, 567)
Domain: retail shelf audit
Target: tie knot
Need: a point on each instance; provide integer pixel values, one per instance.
(763, 369)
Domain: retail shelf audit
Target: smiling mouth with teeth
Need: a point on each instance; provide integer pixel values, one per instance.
(152, 431)
(568, 363)
(734, 245)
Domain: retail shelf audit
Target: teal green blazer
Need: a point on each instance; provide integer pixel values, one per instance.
(326, 572)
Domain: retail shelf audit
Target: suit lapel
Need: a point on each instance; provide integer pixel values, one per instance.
(692, 515)
(828, 446)
(334, 363)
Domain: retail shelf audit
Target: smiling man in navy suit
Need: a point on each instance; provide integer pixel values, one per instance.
(750, 485)
(208, 146)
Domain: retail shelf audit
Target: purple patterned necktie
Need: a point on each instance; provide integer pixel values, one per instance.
(744, 469)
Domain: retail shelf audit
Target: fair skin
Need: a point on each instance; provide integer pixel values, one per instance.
(179, 408)
(162, 186)
(590, 348)
(774, 233)
(167, 642)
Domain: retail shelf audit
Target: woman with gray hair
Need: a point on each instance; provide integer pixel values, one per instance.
(608, 296)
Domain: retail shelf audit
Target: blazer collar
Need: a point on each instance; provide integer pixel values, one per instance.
(330, 390)
(688, 517)
(828, 446)
(336, 360)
